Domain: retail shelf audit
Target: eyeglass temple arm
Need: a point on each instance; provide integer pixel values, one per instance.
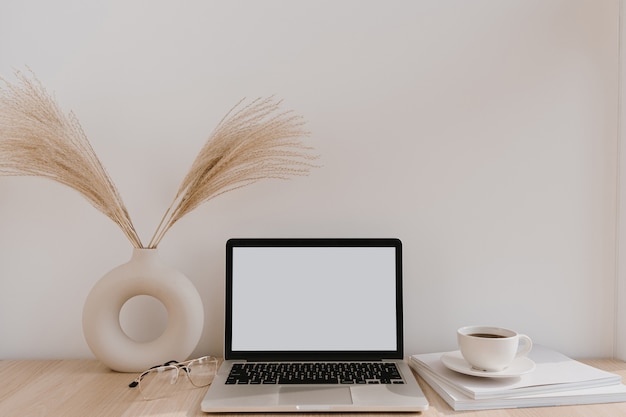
(140, 377)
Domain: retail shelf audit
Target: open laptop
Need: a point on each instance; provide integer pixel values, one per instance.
(313, 325)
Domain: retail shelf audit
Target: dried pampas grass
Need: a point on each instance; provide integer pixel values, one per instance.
(37, 139)
(254, 141)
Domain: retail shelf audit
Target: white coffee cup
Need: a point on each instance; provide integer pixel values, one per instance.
(492, 349)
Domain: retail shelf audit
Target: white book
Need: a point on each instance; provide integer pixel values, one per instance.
(554, 372)
(460, 402)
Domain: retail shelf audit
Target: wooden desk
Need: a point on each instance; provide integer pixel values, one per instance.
(80, 388)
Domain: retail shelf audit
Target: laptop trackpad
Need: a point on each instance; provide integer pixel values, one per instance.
(314, 396)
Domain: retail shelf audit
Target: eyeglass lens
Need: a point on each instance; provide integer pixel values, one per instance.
(159, 382)
(201, 371)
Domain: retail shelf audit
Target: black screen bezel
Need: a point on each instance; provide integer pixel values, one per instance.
(231, 354)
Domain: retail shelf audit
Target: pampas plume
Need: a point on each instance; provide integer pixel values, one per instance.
(254, 141)
(38, 139)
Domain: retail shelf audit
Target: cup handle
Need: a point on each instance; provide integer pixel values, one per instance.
(527, 345)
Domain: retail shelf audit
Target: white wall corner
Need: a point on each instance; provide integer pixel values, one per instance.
(620, 285)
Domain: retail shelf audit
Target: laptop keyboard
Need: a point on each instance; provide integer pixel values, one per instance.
(314, 373)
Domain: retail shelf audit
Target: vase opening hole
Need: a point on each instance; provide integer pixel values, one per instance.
(143, 318)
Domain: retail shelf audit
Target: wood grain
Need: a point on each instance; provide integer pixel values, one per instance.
(85, 387)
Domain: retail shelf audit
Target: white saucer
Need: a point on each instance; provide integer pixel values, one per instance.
(456, 362)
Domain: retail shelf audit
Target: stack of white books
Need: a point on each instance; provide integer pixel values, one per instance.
(555, 380)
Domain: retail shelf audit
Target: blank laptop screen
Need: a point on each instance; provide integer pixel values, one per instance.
(314, 298)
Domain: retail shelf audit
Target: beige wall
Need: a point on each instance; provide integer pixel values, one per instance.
(482, 133)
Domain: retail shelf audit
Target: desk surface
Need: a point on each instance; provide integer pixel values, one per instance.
(71, 388)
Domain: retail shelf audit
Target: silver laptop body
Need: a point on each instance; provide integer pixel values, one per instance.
(299, 302)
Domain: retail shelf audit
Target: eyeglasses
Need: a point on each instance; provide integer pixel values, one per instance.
(160, 381)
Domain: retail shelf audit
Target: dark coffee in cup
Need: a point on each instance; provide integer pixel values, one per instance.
(487, 335)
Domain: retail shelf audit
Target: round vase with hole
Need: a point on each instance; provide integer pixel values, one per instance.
(144, 274)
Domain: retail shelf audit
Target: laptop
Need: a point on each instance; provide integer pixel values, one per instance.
(313, 325)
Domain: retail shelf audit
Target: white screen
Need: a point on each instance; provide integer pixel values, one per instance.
(314, 298)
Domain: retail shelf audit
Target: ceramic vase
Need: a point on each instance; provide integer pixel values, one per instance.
(144, 274)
